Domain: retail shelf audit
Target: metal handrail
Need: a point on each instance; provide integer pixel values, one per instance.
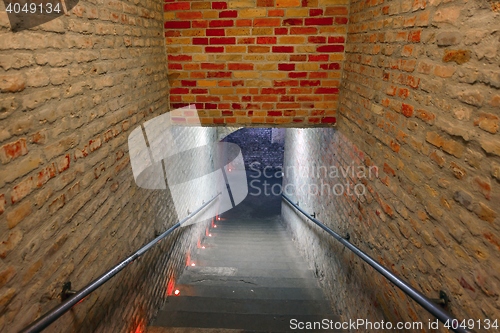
(56, 312)
(416, 295)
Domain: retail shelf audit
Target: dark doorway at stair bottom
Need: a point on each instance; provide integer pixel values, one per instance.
(249, 276)
(262, 150)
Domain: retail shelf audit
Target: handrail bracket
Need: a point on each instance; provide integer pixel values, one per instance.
(443, 299)
(67, 292)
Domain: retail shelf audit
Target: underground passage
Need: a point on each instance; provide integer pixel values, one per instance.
(249, 166)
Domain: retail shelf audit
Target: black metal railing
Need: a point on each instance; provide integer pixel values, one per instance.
(428, 304)
(52, 315)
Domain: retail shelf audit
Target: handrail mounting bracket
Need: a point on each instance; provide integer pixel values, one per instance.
(443, 299)
(67, 292)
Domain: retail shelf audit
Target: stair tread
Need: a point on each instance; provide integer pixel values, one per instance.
(250, 291)
(263, 322)
(243, 252)
(251, 256)
(234, 280)
(252, 272)
(249, 306)
(271, 239)
(251, 264)
(159, 329)
(238, 246)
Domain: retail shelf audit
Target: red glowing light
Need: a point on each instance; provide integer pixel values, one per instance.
(139, 329)
(230, 169)
(170, 287)
(193, 264)
(218, 218)
(215, 226)
(177, 292)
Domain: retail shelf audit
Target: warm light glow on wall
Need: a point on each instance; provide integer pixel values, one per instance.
(170, 287)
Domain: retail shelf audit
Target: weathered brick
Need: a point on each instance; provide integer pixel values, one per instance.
(12, 83)
(490, 146)
(444, 71)
(484, 212)
(21, 190)
(447, 15)
(18, 214)
(407, 110)
(458, 56)
(242, 4)
(45, 175)
(434, 139)
(6, 275)
(266, 22)
(488, 122)
(288, 3)
(458, 171)
(13, 150)
(10, 242)
(64, 163)
(3, 202)
(437, 157)
(265, 3)
(448, 38)
(454, 148)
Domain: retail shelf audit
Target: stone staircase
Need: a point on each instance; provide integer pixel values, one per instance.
(248, 278)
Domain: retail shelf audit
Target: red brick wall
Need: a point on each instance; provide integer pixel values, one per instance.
(257, 61)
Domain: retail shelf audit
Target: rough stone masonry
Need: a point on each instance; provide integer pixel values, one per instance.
(72, 90)
(419, 100)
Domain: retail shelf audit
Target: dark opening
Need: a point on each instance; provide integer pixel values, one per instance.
(262, 150)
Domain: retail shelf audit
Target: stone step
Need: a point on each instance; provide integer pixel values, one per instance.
(249, 224)
(158, 329)
(250, 291)
(243, 234)
(247, 242)
(235, 281)
(250, 255)
(219, 232)
(247, 322)
(252, 264)
(303, 272)
(273, 226)
(247, 306)
(243, 251)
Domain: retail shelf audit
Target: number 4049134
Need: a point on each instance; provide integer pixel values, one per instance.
(486, 324)
(33, 8)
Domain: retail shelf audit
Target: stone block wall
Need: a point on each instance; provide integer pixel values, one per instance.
(317, 167)
(419, 100)
(72, 90)
(257, 61)
(258, 148)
